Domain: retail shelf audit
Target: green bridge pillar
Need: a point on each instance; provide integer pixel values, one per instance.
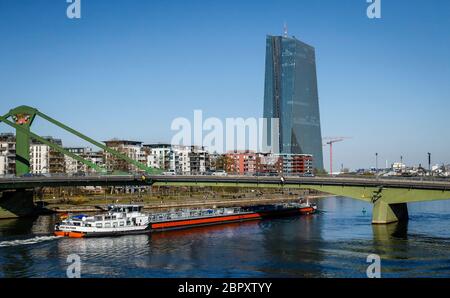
(22, 153)
(24, 117)
(385, 213)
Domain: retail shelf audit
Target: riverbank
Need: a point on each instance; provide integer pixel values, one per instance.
(83, 200)
(168, 205)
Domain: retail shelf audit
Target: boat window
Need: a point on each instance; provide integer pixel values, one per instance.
(107, 225)
(114, 224)
(99, 225)
(122, 223)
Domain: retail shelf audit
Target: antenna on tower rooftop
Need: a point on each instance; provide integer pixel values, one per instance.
(285, 30)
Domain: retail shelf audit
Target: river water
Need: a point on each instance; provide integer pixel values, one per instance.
(332, 243)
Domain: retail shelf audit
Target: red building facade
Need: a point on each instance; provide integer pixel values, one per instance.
(251, 163)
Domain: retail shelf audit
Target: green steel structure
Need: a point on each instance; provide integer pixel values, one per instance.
(22, 118)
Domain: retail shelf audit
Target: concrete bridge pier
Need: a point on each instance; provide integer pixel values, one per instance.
(385, 213)
(18, 203)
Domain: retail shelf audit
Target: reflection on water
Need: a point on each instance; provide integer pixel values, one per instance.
(386, 233)
(333, 243)
(16, 227)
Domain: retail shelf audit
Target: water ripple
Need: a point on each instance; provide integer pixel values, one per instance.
(29, 241)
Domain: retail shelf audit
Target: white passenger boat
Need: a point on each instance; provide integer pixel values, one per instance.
(118, 220)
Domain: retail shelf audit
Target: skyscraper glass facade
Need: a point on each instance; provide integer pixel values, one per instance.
(291, 95)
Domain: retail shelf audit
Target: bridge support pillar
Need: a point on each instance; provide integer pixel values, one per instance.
(22, 116)
(385, 213)
(22, 153)
(17, 203)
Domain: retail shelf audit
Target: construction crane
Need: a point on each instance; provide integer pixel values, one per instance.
(331, 141)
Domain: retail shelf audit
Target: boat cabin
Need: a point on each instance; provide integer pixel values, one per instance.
(124, 208)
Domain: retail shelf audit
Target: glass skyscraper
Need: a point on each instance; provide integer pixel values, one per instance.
(291, 95)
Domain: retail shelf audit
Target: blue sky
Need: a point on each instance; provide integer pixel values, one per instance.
(127, 68)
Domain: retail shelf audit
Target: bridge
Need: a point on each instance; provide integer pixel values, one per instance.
(388, 196)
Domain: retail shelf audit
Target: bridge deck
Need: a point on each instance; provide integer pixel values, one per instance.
(102, 180)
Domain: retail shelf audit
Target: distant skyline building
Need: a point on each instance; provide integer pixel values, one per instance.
(291, 94)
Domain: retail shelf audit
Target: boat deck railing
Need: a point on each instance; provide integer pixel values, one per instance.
(195, 213)
(200, 213)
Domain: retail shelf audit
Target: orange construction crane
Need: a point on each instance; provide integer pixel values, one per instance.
(331, 141)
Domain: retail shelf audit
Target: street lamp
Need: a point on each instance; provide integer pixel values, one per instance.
(429, 162)
(376, 162)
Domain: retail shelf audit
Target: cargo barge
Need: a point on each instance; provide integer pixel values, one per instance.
(129, 219)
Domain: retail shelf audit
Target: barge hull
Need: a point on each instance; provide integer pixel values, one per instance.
(215, 220)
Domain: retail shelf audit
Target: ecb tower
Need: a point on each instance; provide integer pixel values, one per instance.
(291, 95)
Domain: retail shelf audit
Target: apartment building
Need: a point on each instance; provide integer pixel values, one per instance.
(189, 160)
(44, 159)
(131, 149)
(251, 163)
(73, 166)
(7, 154)
(218, 162)
(269, 164)
(296, 164)
(159, 156)
(241, 162)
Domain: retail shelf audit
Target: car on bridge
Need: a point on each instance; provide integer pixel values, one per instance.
(169, 173)
(219, 173)
(306, 175)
